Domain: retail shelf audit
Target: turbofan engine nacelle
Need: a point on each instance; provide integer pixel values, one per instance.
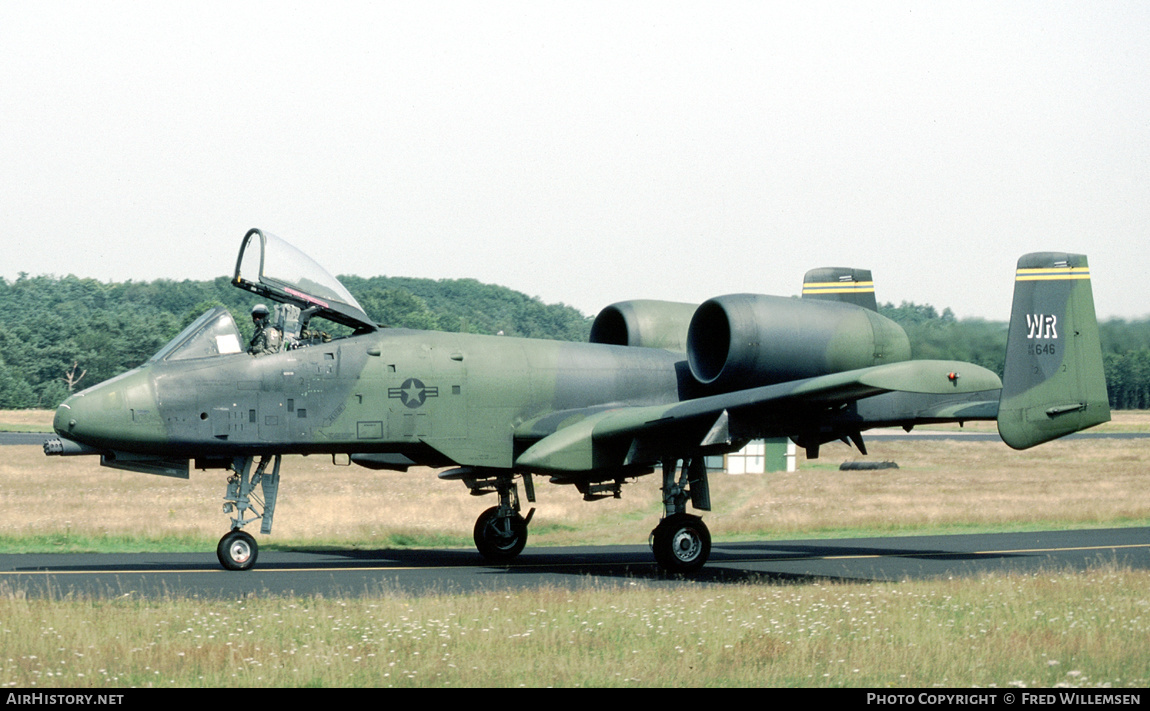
(748, 340)
(644, 323)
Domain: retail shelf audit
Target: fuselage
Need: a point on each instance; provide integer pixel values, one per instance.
(439, 398)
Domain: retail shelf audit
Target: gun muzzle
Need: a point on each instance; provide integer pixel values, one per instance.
(60, 447)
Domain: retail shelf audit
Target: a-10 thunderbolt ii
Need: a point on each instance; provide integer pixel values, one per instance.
(659, 387)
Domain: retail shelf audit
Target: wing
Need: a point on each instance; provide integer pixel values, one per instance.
(812, 411)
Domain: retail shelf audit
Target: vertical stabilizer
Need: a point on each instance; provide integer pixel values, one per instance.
(852, 286)
(1053, 382)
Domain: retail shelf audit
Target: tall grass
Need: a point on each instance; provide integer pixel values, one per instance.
(1040, 630)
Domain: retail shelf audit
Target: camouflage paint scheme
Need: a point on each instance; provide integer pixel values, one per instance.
(661, 384)
(1053, 383)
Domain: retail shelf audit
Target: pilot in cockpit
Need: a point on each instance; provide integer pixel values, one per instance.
(268, 338)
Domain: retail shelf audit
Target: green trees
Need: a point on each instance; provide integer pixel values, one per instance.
(61, 334)
(1126, 358)
(465, 305)
(58, 335)
(943, 337)
(1125, 347)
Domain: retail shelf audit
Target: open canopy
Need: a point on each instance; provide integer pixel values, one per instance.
(274, 269)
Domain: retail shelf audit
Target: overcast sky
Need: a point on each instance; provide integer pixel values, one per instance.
(584, 152)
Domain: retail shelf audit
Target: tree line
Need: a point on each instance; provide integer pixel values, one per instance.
(1125, 347)
(59, 335)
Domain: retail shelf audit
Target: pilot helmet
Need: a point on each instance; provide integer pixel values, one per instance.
(259, 311)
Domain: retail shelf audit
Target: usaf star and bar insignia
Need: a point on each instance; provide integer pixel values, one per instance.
(413, 392)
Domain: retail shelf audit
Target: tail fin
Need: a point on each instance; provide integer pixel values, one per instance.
(852, 286)
(1053, 382)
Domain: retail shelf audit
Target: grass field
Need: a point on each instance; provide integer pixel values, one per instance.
(1048, 629)
(1042, 630)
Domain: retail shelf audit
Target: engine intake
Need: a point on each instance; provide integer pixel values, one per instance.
(747, 340)
(644, 323)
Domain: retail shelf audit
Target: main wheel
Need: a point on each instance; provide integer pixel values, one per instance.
(237, 550)
(681, 543)
(500, 539)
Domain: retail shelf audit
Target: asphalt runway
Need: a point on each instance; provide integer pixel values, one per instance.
(420, 572)
(27, 438)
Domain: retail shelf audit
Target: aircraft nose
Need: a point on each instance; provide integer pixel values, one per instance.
(92, 416)
(63, 415)
(118, 414)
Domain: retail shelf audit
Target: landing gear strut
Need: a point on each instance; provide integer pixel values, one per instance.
(238, 550)
(681, 542)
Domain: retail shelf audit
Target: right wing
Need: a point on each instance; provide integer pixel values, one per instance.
(812, 411)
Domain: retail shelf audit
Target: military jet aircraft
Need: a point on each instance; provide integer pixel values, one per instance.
(659, 387)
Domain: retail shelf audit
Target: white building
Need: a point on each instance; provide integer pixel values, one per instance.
(758, 457)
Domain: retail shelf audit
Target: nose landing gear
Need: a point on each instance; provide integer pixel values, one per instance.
(238, 550)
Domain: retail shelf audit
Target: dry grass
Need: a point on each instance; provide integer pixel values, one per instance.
(26, 420)
(945, 483)
(318, 502)
(939, 485)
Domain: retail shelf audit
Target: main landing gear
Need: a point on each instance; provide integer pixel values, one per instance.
(500, 534)
(501, 531)
(681, 542)
(237, 550)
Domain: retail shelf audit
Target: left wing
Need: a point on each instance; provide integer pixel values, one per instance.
(812, 411)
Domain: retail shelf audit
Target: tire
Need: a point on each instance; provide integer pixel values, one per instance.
(681, 543)
(494, 541)
(237, 550)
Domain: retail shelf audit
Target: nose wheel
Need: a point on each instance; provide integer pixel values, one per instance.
(237, 550)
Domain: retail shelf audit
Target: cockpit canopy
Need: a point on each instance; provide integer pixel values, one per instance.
(212, 334)
(279, 271)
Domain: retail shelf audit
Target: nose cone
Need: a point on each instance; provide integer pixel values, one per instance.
(118, 414)
(60, 421)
